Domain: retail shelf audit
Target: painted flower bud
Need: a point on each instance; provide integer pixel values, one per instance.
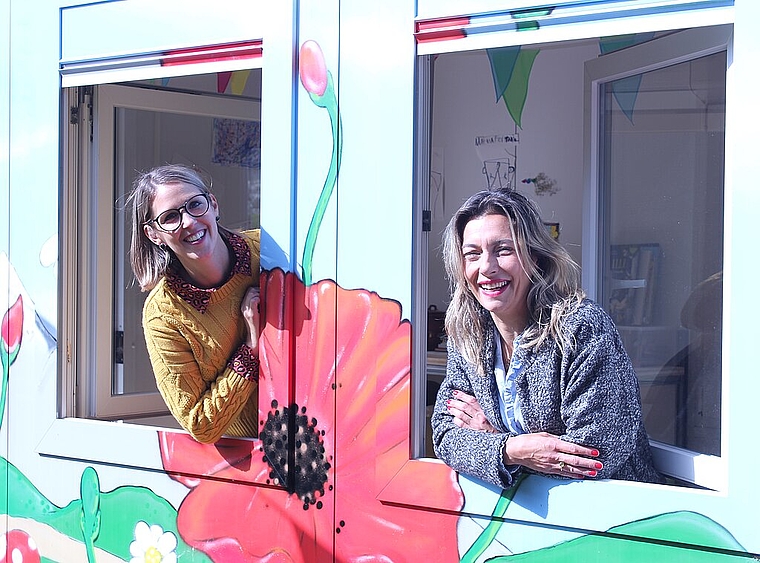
(313, 69)
(13, 323)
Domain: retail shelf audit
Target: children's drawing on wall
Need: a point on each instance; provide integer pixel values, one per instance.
(553, 229)
(237, 143)
(499, 174)
(510, 70)
(498, 153)
(437, 184)
(542, 184)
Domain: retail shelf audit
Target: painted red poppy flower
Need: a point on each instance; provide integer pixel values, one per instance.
(12, 326)
(336, 363)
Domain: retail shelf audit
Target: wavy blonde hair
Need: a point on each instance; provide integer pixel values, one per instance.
(555, 277)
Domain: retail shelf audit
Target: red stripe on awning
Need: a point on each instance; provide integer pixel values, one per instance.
(226, 52)
(442, 29)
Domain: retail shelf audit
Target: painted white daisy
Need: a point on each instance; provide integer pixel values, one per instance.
(152, 545)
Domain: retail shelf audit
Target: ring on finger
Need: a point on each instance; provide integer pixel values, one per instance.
(561, 465)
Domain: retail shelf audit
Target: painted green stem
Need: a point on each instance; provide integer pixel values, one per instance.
(328, 101)
(89, 491)
(489, 532)
(6, 360)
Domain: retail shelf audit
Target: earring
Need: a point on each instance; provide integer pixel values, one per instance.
(217, 218)
(163, 247)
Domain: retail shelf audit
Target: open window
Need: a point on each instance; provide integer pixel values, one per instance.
(629, 160)
(654, 253)
(210, 121)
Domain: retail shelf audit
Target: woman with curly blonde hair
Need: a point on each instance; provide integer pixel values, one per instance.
(537, 378)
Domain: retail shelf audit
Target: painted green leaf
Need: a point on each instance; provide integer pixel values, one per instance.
(120, 510)
(673, 536)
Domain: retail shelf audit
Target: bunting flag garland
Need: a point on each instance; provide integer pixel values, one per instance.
(510, 69)
(624, 90)
(222, 80)
(238, 81)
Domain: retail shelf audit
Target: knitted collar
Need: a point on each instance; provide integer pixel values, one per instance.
(198, 297)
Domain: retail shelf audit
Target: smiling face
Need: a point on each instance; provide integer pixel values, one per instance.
(493, 270)
(196, 238)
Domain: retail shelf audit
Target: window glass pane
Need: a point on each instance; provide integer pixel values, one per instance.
(663, 169)
(144, 139)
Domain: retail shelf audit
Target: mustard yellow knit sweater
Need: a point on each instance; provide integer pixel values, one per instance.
(192, 351)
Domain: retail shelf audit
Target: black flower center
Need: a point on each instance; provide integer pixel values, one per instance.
(288, 434)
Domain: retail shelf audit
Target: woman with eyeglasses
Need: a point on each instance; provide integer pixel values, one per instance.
(201, 317)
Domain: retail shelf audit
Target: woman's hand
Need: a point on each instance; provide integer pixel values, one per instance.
(251, 309)
(467, 412)
(546, 453)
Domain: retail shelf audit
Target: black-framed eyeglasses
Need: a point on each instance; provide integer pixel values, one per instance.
(171, 219)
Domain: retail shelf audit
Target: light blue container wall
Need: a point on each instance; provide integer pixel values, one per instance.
(315, 143)
(113, 29)
(33, 139)
(5, 8)
(278, 110)
(29, 187)
(741, 306)
(34, 166)
(5, 30)
(365, 239)
(375, 195)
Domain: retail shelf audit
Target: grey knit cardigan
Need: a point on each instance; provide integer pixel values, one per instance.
(588, 396)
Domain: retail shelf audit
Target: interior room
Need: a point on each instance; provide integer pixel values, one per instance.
(515, 117)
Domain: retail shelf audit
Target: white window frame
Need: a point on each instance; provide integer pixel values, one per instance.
(702, 470)
(85, 61)
(89, 259)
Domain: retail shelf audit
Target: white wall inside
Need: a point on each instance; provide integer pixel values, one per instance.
(550, 141)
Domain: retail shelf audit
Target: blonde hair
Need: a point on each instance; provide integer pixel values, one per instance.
(555, 278)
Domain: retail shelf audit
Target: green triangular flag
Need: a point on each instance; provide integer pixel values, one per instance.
(625, 90)
(502, 64)
(517, 90)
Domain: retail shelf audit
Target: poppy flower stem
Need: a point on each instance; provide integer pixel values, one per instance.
(488, 534)
(11, 331)
(4, 383)
(329, 101)
(6, 359)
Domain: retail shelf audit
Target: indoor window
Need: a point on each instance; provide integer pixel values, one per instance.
(114, 132)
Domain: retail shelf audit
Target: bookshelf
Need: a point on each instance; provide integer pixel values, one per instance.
(634, 271)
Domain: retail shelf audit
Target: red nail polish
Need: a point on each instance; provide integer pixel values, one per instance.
(594, 453)
(592, 473)
(598, 465)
